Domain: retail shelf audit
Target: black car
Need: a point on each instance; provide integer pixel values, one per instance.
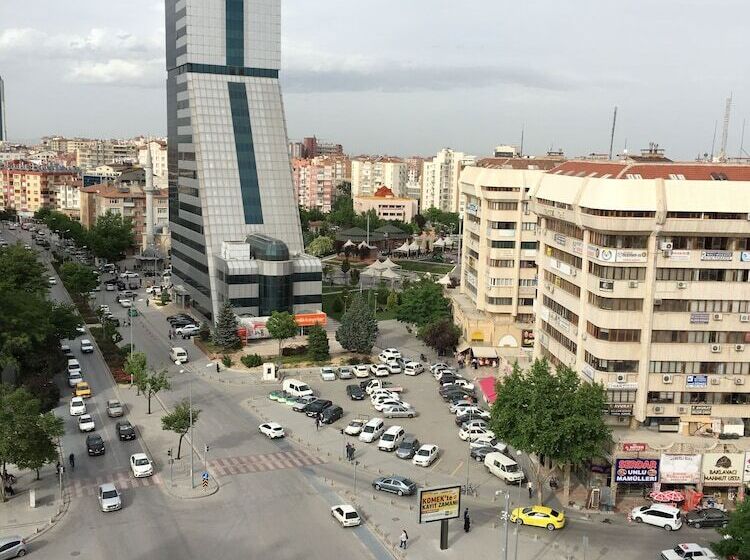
(180, 317)
(458, 395)
(408, 447)
(397, 484)
(355, 392)
(316, 407)
(125, 430)
(479, 453)
(454, 389)
(95, 444)
(469, 417)
(120, 285)
(707, 517)
(331, 414)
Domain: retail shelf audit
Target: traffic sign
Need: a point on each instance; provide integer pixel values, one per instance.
(205, 475)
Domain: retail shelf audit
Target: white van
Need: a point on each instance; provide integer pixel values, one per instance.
(413, 368)
(73, 366)
(296, 388)
(178, 354)
(372, 430)
(391, 439)
(503, 467)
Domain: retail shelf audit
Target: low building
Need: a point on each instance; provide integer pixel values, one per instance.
(387, 206)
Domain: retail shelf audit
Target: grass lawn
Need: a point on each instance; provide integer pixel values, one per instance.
(426, 266)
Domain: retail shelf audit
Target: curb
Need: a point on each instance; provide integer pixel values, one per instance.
(61, 513)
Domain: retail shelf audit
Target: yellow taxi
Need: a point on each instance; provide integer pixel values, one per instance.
(82, 389)
(538, 516)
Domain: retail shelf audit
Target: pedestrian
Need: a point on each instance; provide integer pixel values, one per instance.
(146, 302)
(348, 451)
(467, 522)
(403, 540)
(170, 334)
(317, 423)
(217, 367)
(530, 486)
(351, 452)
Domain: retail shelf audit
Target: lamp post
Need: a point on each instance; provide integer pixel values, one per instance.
(190, 412)
(506, 516)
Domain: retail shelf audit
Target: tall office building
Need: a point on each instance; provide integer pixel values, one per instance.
(234, 222)
(3, 129)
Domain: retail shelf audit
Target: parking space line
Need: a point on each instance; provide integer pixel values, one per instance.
(460, 464)
(432, 469)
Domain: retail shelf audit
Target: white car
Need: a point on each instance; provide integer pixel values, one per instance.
(109, 498)
(156, 290)
(413, 368)
(77, 406)
(688, 551)
(473, 433)
(86, 423)
(474, 424)
(489, 441)
(393, 367)
(271, 430)
(86, 346)
(666, 517)
(384, 395)
(469, 409)
(52, 280)
(425, 455)
(74, 378)
(81, 330)
(399, 411)
(354, 427)
(380, 370)
(438, 366)
(126, 303)
(346, 515)
(382, 405)
(188, 330)
(463, 403)
(73, 366)
(327, 373)
(141, 465)
(362, 371)
(389, 354)
(109, 287)
(463, 383)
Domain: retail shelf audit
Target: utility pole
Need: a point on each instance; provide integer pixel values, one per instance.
(507, 522)
(190, 401)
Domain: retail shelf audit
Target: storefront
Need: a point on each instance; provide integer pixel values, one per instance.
(635, 477)
(722, 477)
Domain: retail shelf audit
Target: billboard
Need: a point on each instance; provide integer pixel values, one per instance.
(636, 471)
(680, 469)
(723, 469)
(436, 504)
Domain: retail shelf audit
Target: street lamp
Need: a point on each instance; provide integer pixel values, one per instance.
(130, 321)
(506, 516)
(190, 407)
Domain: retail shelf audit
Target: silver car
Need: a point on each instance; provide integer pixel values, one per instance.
(12, 547)
(399, 411)
(345, 372)
(109, 497)
(302, 402)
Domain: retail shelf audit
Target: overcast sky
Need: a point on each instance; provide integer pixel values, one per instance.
(410, 76)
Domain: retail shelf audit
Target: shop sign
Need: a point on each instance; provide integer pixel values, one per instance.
(618, 409)
(747, 466)
(603, 254)
(472, 209)
(527, 338)
(716, 255)
(696, 381)
(723, 469)
(699, 318)
(578, 247)
(588, 372)
(700, 410)
(631, 255)
(745, 256)
(680, 255)
(636, 471)
(630, 446)
(560, 239)
(680, 469)
(436, 504)
(615, 386)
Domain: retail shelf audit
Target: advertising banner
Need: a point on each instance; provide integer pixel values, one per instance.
(723, 469)
(636, 471)
(680, 469)
(680, 255)
(436, 504)
(716, 255)
(634, 446)
(696, 381)
(631, 255)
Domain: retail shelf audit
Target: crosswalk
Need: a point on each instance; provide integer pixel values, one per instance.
(123, 480)
(248, 464)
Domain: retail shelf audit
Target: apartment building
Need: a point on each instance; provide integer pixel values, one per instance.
(494, 304)
(27, 187)
(644, 286)
(371, 173)
(387, 206)
(440, 180)
(315, 180)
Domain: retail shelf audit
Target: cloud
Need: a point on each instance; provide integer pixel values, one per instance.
(98, 41)
(120, 72)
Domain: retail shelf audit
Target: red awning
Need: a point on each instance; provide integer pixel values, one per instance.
(487, 385)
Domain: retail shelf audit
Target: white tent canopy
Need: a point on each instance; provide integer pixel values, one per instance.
(377, 266)
(414, 246)
(403, 249)
(445, 281)
(364, 244)
(349, 243)
(388, 263)
(388, 274)
(449, 242)
(439, 243)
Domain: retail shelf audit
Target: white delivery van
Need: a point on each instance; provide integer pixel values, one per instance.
(372, 430)
(391, 439)
(296, 388)
(73, 366)
(178, 354)
(503, 467)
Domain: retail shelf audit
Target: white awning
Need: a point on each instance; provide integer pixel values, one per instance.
(388, 263)
(349, 243)
(439, 243)
(483, 352)
(403, 249)
(463, 347)
(414, 246)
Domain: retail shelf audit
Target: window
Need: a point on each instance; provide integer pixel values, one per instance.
(619, 213)
(611, 366)
(500, 281)
(527, 282)
(559, 337)
(572, 260)
(502, 263)
(503, 205)
(613, 335)
(619, 241)
(527, 302)
(502, 244)
(621, 396)
(502, 225)
(563, 312)
(499, 300)
(529, 245)
(562, 283)
(617, 272)
(615, 304)
(528, 226)
(566, 228)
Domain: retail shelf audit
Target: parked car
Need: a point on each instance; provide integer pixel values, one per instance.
(425, 455)
(489, 441)
(399, 411)
(65, 349)
(74, 379)
(391, 438)
(73, 365)
(396, 484)
(114, 408)
(83, 390)
(666, 517)
(316, 407)
(301, 402)
(479, 453)
(380, 370)
(408, 447)
(331, 414)
(389, 354)
(355, 392)
(354, 427)
(372, 430)
(481, 423)
(472, 433)
(393, 367)
(77, 406)
(188, 331)
(707, 517)
(538, 516)
(327, 373)
(361, 371)
(125, 430)
(109, 498)
(86, 346)
(462, 419)
(460, 404)
(413, 368)
(345, 372)
(141, 465)
(689, 551)
(86, 423)
(95, 445)
(178, 354)
(346, 515)
(381, 404)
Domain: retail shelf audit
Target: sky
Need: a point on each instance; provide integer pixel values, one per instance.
(408, 77)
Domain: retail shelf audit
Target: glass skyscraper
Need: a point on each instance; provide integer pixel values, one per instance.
(229, 171)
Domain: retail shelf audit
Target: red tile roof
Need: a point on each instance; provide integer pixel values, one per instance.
(383, 192)
(691, 171)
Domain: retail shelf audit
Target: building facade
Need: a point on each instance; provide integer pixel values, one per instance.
(3, 125)
(229, 171)
(644, 286)
(27, 187)
(494, 304)
(387, 206)
(371, 173)
(440, 180)
(315, 180)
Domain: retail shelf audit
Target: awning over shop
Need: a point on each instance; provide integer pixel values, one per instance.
(483, 352)
(462, 348)
(487, 385)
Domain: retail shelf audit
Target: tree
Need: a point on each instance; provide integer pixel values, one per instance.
(423, 303)
(78, 278)
(225, 332)
(40, 442)
(178, 421)
(359, 329)
(342, 213)
(419, 220)
(111, 236)
(442, 336)
(205, 331)
(320, 246)
(381, 295)
(345, 266)
(156, 381)
(135, 367)
(22, 271)
(317, 343)
(327, 270)
(551, 415)
(354, 276)
(281, 325)
(736, 541)
(392, 301)
(164, 297)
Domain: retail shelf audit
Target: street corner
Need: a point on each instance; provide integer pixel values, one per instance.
(179, 486)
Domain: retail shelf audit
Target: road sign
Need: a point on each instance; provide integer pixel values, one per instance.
(205, 484)
(204, 476)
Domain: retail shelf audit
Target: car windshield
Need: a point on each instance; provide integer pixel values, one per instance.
(109, 494)
(388, 437)
(554, 513)
(351, 515)
(141, 462)
(423, 452)
(679, 551)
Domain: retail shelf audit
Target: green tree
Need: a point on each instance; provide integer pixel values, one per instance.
(135, 367)
(156, 381)
(419, 220)
(345, 266)
(442, 336)
(178, 421)
(392, 301)
(423, 303)
(111, 236)
(342, 213)
(78, 278)
(354, 275)
(281, 325)
(359, 329)
(439, 218)
(164, 297)
(736, 541)
(22, 271)
(381, 295)
(225, 332)
(39, 442)
(205, 331)
(338, 304)
(317, 344)
(320, 246)
(554, 415)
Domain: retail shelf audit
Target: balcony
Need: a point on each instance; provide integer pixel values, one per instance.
(499, 234)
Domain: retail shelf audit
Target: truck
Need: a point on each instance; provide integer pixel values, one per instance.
(375, 384)
(688, 551)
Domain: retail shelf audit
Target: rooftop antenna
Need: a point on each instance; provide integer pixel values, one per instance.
(612, 136)
(725, 130)
(523, 129)
(742, 140)
(713, 142)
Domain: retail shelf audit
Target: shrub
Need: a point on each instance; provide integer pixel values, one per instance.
(338, 304)
(205, 332)
(300, 350)
(354, 361)
(227, 361)
(251, 360)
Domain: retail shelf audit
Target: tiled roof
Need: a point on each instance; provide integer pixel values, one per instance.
(518, 163)
(383, 192)
(690, 171)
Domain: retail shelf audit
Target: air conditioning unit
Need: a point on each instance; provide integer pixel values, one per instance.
(633, 284)
(681, 285)
(716, 348)
(717, 316)
(584, 336)
(621, 378)
(739, 347)
(606, 285)
(657, 301)
(666, 253)
(745, 318)
(658, 410)
(573, 272)
(739, 380)
(682, 410)
(666, 378)
(666, 245)
(715, 381)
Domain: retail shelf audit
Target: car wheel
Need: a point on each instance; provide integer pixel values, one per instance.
(478, 459)
(519, 521)
(724, 525)
(400, 492)
(411, 416)
(377, 487)
(550, 527)
(697, 525)
(638, 520)
(667, 527)
(21, 553)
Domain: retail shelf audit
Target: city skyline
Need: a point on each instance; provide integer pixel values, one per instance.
(468, 86)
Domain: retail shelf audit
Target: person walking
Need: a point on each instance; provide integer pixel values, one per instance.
(348, 451)
(170, 334)
(217, 367)
(403, 539)
(467, 521)
(530, 486)
(146, 302)
(72, 461)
